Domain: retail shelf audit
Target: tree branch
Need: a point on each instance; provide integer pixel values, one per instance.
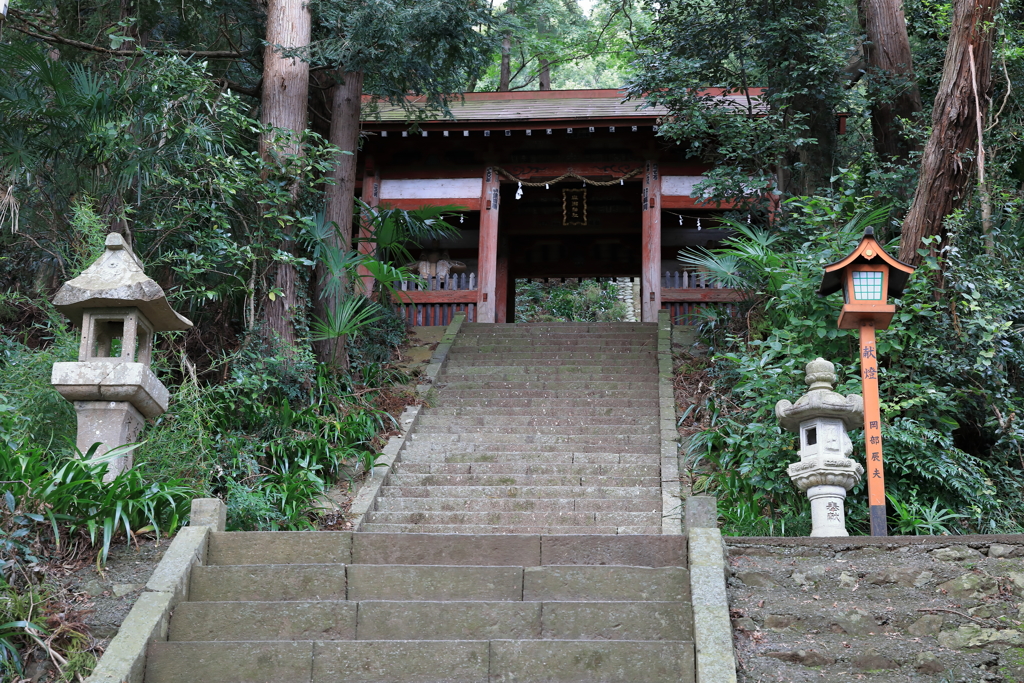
(49, 37)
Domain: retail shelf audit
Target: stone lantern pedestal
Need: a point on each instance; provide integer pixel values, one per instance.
(112, 386)
(825, 471)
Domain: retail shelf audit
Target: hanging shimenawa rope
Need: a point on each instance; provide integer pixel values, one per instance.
(570, 174)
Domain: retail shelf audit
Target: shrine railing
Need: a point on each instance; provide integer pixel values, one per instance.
(686, 294)
(436, 300)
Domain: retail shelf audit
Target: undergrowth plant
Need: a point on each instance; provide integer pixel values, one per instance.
(581, 301)
(949, 375)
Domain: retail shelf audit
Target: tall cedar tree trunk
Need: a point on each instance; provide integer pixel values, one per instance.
(946, 172)
(285, 91)
(889, 66)
(506, 63)
(340, 203)
(545, 75)
(809, 166)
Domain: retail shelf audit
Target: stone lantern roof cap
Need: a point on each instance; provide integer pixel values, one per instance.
(116, 280)
(820, 400)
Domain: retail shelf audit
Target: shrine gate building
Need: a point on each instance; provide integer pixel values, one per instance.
(554, 184)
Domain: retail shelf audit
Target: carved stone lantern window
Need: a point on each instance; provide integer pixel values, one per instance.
(116, 335)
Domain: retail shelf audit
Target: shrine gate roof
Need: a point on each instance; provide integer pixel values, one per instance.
(535, 106)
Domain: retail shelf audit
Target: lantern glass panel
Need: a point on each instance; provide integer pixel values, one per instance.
(867, 285)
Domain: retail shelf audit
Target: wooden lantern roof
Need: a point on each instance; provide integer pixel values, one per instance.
(867, 252)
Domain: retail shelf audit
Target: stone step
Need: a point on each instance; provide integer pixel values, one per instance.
(523, 492)
(530, 378)
(559, 336)
(345, 547)
(556, 336)
(511, 328)
(610, 531)
(559, 452)
(581, 358)
(430, 446)
(568, 330)
(454, 620)
(527, 413)
(431, 418)
(528, 405)
(573, 396)
(393, 504)
(540, 383)
(536, 430)
(503, 364)
(517, 520)
(518, 469)
(381, 661)
(356, 582)
(404, 479)
(553, 368)
(545, 348)
(610, 440)
(429, 455)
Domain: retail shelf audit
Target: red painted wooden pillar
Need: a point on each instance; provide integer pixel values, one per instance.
(501, 288)
(650, 263)
(488, 254)
(371, 196)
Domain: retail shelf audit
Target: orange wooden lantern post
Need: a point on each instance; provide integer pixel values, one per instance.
(868, 278)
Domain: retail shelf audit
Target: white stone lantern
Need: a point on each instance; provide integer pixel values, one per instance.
(112, 386)
(825, 471)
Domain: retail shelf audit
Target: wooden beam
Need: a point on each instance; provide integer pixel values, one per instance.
(469, 203)
(683, 202)
(538, 170)
(697, 295)
(488, 253)
(650, 259)
(451, 296)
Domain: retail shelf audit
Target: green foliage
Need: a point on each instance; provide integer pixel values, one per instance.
(17, 630)
(796, 50)
(428, 47)
(580, 49)
(581, 301)
(41, 489)
(269, 440)
(376, 344)
(949, 371)
(913, 518)
(41, 416)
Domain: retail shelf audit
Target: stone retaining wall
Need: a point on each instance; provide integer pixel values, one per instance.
(931, 608)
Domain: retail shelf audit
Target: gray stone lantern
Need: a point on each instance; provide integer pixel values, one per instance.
(112, 386)
(825, 471)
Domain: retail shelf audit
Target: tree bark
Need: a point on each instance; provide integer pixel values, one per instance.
(285, 91)
(946, 174)
(545, 75)
(340, 202)
(889, 67)
(811, 164)
(505, 75)
(808, 166)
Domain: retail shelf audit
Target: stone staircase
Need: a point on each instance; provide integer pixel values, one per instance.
(323, 607)
(535, 428)
(528, 506)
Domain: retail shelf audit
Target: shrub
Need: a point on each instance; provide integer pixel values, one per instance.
(949, 377)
